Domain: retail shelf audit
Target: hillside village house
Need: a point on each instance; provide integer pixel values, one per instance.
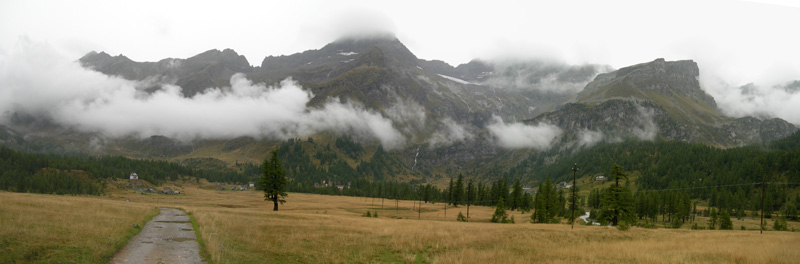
(134, 176)
(600, 178)
(563, 185)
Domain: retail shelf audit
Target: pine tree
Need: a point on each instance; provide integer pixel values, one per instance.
(547, 203)
(527, 202)
(274, 181)
(516, 195)
(500, 215)
(618, 202)
(594, 199)
(458, 192)
(725, 221)
(712, 219)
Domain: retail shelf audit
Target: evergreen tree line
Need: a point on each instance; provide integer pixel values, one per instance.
(62, 174)
(305, 172)
(727, 178)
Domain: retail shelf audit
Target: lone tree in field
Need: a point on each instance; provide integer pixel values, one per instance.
(500, 215)
(274, 180)
(618, 201)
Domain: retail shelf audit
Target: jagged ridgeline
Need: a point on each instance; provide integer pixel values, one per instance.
(441, 114)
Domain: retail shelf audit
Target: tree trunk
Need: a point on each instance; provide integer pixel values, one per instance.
(275, 201)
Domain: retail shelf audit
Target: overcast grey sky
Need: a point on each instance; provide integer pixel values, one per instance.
(734, 43)
(748, 41)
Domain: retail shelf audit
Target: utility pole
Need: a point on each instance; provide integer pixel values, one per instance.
(574, 171)
(419, 210)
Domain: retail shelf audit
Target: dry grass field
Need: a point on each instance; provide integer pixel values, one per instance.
(239, 227)
(36, 228)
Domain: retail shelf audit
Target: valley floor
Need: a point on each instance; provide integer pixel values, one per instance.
(240, 227)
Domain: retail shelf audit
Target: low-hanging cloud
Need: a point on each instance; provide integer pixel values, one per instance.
(518, 135)
(543, 76)
(588, 138)
(762, 101)
(646, 128)
(449, 133)
(38, 81)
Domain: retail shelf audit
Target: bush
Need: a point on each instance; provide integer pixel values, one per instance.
(647, 224)
(743, 228)
(780, 225)
(461, 217)
(623, 226)
(676, 223)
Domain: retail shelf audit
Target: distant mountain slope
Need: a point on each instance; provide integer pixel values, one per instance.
(442, 111)
(659, 99)
(212, 68)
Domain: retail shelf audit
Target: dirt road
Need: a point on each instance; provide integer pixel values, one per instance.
(168, 239)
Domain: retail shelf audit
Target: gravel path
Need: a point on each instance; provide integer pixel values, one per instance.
(168, 239)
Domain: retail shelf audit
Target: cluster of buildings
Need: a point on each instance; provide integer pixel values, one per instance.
(134, 181)
(325, 184)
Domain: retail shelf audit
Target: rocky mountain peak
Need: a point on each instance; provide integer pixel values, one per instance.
(227, 57)
(665, 78)
(395, 53)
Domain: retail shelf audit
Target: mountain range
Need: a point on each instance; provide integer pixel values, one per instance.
(462, 119)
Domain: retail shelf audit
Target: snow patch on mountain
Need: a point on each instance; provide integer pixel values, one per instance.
(454, 79)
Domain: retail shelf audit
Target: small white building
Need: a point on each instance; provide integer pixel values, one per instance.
(600, 178)
(134, 176)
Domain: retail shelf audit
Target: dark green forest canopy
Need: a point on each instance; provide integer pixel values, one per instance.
(49, 173)
(726, 178)
(670, 164)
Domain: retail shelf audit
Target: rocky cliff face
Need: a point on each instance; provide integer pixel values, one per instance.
(212, 68)
(659, 99)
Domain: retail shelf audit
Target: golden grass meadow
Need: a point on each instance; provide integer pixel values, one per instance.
(240, 227)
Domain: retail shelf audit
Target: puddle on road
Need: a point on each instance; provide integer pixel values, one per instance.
(173, 221)
(187, 229)
(179, 239)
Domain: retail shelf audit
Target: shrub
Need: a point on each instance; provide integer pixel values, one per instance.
(676, 223)
(623, 226)
(780, 225)
(461, 217)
